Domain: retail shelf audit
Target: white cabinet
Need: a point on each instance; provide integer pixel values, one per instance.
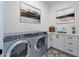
(78, 47)
(49, 40)
(54, 41)
(65, 42)
(57, 41)
(60, 41)
(71, 44)
(71, 41)
(71, 50)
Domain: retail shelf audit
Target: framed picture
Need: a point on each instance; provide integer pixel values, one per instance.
(29, 14)
(66, 15)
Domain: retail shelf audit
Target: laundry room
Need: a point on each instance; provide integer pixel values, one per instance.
(39, 28)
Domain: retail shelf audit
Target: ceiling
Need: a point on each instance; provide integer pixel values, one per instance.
(48, 2)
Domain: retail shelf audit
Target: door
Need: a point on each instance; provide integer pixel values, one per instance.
(18, 49)
(58, 41)
(49, 40)
(78, 47)
(40, 43)
(54, 41)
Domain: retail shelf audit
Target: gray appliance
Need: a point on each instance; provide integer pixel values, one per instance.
(40, 44)
(25, 44)
(18, 45)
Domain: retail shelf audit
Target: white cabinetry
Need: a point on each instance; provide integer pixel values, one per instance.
(71, 44)
(1, 25)
(49, 40)
(60, 41)
(57, 41)
(65, 42)
(78, 47)
(54, 40)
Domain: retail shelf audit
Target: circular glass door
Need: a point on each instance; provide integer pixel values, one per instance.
(18, 49)
(40, 43)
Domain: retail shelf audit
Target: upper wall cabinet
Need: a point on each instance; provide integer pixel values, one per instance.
(29, 13)
(65, 15)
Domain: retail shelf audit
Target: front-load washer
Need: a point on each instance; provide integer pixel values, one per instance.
(18, 45)
(40, 44)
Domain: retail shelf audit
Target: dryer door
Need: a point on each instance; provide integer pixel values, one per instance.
(40, 43)
(18, 49)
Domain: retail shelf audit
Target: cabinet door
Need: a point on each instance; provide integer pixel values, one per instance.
(71, 44)
(54, 41)
(78, 47)
(58, 41)
(49, 40)
(71, 50)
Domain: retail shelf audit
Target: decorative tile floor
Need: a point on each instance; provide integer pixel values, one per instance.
(52, 52)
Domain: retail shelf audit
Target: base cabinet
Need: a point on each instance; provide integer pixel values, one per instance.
(66, 43)
(49, 40)
(71, 50)
(71, 44)
(54, 41)
(57, 41)
(78, 48)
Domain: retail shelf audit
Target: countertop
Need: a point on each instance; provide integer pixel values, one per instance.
(65, 33)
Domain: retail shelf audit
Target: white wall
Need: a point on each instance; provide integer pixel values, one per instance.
(12, 18)
(1, 24)
(60, 5)
(48, 16)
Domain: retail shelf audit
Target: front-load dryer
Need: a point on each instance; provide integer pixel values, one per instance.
(40, 44)
(17, 45)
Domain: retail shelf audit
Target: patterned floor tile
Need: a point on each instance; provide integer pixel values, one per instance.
(50, 55)
(44, 56)
(55, 53)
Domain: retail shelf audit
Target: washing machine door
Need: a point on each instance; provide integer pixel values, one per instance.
(40, 43)
(20, 48)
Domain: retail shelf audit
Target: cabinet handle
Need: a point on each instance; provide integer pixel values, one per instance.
(49, 35)
(70, 43)
(70, 50)
(70, 37)
(57, 36)
(51, 39)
